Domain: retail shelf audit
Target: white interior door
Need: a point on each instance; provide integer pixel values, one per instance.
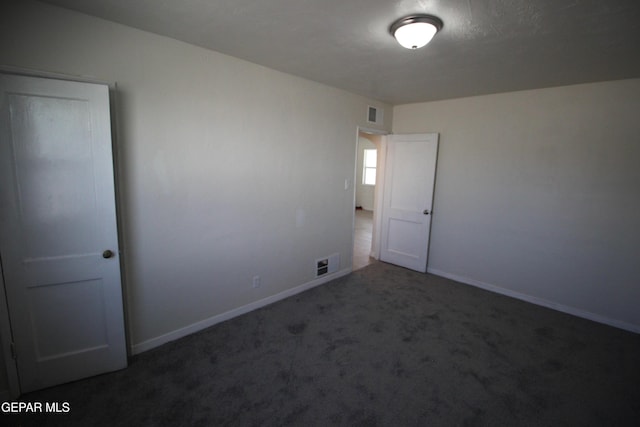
(409, 181)
(58, 235)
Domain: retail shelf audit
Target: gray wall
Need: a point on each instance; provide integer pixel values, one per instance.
(538, 195)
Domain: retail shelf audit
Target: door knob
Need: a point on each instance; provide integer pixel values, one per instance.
(107, 254)
(426, 212)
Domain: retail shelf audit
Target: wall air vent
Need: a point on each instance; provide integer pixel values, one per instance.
(374, 115)
(327, 265)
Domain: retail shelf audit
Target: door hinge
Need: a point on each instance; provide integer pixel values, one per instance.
(14, 356)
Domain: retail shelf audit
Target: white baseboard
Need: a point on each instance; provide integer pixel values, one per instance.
(540, 301)
(203, 324)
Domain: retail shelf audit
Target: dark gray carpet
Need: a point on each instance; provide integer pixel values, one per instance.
(383, 346)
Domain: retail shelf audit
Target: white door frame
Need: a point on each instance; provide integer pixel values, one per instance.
(6, 336)
(379, 190)
(377, 197)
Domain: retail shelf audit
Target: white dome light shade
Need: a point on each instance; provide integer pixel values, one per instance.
(415, 31)
(414, 36)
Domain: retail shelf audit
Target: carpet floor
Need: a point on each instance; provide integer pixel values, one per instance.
(383, 346)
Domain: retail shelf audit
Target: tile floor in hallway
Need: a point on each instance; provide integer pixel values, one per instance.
(362, 240)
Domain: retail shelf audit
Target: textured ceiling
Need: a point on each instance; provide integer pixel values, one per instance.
(486, 46)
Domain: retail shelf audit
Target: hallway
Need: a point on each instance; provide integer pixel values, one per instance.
(362, 240)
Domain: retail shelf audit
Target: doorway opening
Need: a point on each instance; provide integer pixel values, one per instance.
(367, 179)
(401, 201)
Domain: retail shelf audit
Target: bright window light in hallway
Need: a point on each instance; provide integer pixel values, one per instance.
(369, 167)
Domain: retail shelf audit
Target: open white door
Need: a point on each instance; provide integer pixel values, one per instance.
(409, 181)
(58, 235)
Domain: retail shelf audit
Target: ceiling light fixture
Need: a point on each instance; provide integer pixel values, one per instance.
(415, 31)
